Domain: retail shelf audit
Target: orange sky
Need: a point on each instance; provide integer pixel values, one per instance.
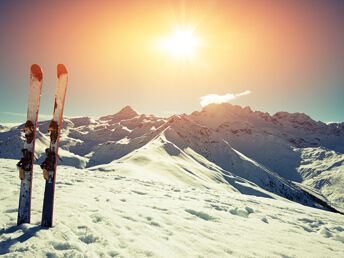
(287, 53)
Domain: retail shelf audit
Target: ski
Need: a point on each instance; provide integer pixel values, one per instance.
(25, 165)
(50, 163)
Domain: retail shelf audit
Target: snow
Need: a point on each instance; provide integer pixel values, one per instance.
(268, 152)
(5, 127)
(111, 213)
(324, 169)
(219, 182)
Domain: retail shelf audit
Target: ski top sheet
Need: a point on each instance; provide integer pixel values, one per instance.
(50, 163)
(25, 165)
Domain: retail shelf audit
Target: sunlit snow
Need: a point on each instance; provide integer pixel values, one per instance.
(110, 214)
(221, 182)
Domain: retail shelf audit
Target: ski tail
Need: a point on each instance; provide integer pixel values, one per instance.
(36, 72)
(61, 69)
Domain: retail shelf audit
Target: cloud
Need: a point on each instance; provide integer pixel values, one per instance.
(217, 99)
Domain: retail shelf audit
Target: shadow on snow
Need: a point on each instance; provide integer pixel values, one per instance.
(27, 234)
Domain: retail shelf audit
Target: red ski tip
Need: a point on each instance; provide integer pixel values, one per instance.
(61, 69)
(36, 71)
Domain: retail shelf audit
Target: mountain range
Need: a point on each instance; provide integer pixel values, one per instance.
(280, 156)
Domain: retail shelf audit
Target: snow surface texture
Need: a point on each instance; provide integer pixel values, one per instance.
(249, 152)
(107, 214)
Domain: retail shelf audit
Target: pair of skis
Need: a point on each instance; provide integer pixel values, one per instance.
(25, 165)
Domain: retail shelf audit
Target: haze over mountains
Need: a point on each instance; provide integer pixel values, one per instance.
(222, 146)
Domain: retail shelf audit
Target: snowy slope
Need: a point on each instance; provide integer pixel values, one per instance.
(267, 151)
(324, 169)
(279, 142)
(107, 214)
(162, 161)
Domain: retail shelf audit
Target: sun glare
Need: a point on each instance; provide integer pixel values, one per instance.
(181, 44)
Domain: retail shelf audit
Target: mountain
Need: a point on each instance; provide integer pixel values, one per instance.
(222, 146)
(126, 113)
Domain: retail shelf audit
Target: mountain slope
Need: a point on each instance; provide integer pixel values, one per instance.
(266, 151)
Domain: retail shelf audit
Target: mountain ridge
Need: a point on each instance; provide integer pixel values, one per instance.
(284, 147)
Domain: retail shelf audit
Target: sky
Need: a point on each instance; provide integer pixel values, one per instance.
(267, 54)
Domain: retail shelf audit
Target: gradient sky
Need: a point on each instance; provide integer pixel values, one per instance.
(288, 54)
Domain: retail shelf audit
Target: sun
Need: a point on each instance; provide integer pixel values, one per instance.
(181, 44)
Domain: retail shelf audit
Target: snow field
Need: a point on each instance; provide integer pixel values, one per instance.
(112, 214)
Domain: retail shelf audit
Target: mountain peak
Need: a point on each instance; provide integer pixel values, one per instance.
(128, 110)
(125, 113)
(226, 107)
(216, 106)
(300, 119)
(215, 114)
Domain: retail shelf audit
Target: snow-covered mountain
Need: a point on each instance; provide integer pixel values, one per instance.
(222, 146)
